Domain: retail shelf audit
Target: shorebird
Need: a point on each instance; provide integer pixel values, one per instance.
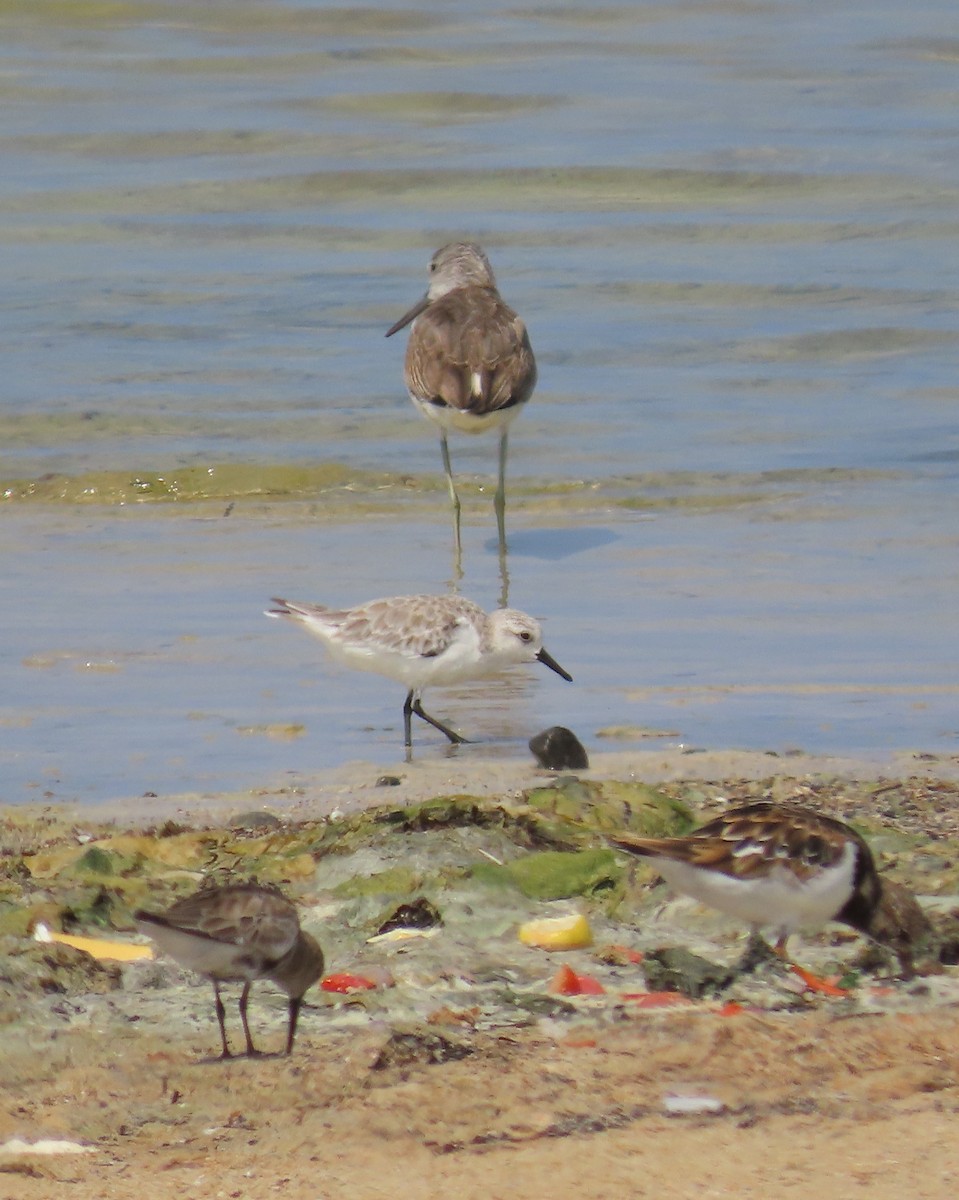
(239, 933)
(422, 640)
(786, 867)
(469, 364)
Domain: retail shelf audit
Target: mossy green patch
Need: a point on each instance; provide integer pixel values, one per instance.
(556, 874)
(96, 861)
(216, 481)
(394, 881)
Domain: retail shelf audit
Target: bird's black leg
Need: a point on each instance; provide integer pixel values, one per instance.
(407, 722)
(221, 1017)
(251, 1050)
(295, 1002)
(417, 707)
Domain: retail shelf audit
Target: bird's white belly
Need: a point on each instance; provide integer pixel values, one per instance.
(461, 421)
(218, 960)
(779, 899)
(461, 660)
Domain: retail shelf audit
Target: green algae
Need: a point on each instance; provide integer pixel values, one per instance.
(97, 861)
(223, 481)
(531, 189)
(547, 844)
(344, 492)
(395, 881)
(557, 874)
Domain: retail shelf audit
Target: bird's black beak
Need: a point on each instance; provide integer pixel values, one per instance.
(548, 661)
(410, 316)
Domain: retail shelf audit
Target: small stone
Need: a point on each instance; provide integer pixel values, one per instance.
(388, 781)
(255, 820)
(559, 749)
(418, 914)
(675, 969)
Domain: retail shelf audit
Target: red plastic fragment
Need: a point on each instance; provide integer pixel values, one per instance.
(344, 982)
(816, 983)
(567, 982)
(627, 953)
(656, 999)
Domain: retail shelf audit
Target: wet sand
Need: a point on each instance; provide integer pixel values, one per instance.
(578, 1097)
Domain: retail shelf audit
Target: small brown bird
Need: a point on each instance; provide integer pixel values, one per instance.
(786, 867)
(239, 933)
(469, 363)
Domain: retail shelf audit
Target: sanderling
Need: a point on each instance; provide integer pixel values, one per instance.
(469, 364)
(239, 933)
(788, 868)
(423, 640)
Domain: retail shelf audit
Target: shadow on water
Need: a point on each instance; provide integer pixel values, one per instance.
(553, 545)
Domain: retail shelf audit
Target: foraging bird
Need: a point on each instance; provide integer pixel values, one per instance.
(469, 364)
(423, 640)
(786, 867)
(239, 933)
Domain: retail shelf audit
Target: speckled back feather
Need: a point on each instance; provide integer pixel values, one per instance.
(749, 839)
(470, 351)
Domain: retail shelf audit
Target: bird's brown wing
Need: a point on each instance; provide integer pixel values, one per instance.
(470, 351)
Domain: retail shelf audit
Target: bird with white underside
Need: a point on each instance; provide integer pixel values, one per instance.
(787, 868)
(423, 640)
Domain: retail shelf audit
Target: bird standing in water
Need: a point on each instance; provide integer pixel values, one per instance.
(423, 640)
(469, 364)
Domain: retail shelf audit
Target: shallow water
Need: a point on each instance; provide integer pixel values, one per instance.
(732, 230)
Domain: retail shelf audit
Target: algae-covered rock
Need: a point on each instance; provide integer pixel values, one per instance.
(395, 881)
(96, 861)
(441, 811)
(38, 969)
(556, 874)
(422, 1045)
(676, 969)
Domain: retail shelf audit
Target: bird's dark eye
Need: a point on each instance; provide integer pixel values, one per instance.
(432, 267)
(526, 636)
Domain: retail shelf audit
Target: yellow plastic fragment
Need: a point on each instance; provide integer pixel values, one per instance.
(557, 933)
(98, 947)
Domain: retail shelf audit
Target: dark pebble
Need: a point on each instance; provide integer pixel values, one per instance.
(419, 914)
(559, 749)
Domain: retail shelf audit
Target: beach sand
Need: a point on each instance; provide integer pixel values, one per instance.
(597, 1098)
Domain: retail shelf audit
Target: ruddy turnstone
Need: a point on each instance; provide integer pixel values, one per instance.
(423, 640)
(469, 364)
(239, 933)
(786, 867)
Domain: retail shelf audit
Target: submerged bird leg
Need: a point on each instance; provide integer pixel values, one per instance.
(503, 579)
(499, 505)
(499, 500)
(408, 721)
(454, 501)
(251, 1050)
(295, 1003)
(453, 736)
(221, 1017)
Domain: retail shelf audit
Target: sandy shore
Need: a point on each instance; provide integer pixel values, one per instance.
(426, 1090)
(358, 785)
